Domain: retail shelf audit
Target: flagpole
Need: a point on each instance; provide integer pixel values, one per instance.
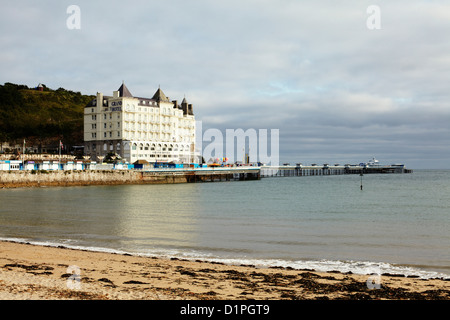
(23, 155)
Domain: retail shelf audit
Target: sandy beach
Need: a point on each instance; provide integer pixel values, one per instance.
(49, 273)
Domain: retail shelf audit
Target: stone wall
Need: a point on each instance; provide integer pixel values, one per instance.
(36, 178)
(16, 179)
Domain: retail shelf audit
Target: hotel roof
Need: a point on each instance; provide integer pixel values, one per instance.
(124, 92)
(160, 96)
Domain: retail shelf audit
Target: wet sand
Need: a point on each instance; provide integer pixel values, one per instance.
(49, 273)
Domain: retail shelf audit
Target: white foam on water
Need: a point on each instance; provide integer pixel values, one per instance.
(355, 267)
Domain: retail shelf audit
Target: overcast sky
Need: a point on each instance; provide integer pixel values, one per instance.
(338, 91)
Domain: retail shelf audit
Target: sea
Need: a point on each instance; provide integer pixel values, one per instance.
(397, 223)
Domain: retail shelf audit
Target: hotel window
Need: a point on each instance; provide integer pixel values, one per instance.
(94, 117)
(110, 134)
(118, 133)
(104, 126)
(104, 134)
(104, 116)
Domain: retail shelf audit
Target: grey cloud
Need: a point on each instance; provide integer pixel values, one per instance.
(310, 68)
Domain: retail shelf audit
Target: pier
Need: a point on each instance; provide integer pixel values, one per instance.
(327, 170)
(209, 174)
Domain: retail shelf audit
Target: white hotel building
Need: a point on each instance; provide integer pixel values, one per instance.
(155, 130)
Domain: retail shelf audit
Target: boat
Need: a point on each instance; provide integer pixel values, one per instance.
(373, 163)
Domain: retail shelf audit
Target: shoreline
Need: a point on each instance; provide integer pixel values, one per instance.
(36, 272)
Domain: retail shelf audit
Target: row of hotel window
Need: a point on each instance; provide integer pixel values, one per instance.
(131, 108)
(138, 117)
(132, 126)
(133, 135)
(146, 147)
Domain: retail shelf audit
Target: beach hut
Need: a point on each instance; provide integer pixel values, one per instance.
(30, 165)
(68, 165)
(4, 165)
(15, 165)
(53, 165)
(44, 165)
(90, 165)
(78, 165)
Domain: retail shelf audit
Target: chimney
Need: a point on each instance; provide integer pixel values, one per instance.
(99, 99)
(184, 106)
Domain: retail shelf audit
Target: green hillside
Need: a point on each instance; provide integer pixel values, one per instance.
(41, 117)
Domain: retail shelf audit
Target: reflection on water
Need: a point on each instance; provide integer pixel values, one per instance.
(122, 217)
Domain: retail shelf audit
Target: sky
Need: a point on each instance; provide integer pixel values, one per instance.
(341, 81)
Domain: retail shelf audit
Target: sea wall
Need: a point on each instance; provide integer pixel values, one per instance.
(17, 179)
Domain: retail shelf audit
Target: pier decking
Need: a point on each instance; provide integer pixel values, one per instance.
(211, 174)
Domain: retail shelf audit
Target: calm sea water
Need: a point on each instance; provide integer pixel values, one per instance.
(399, 223)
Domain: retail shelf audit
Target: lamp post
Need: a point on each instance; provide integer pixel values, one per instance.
(361, 174)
